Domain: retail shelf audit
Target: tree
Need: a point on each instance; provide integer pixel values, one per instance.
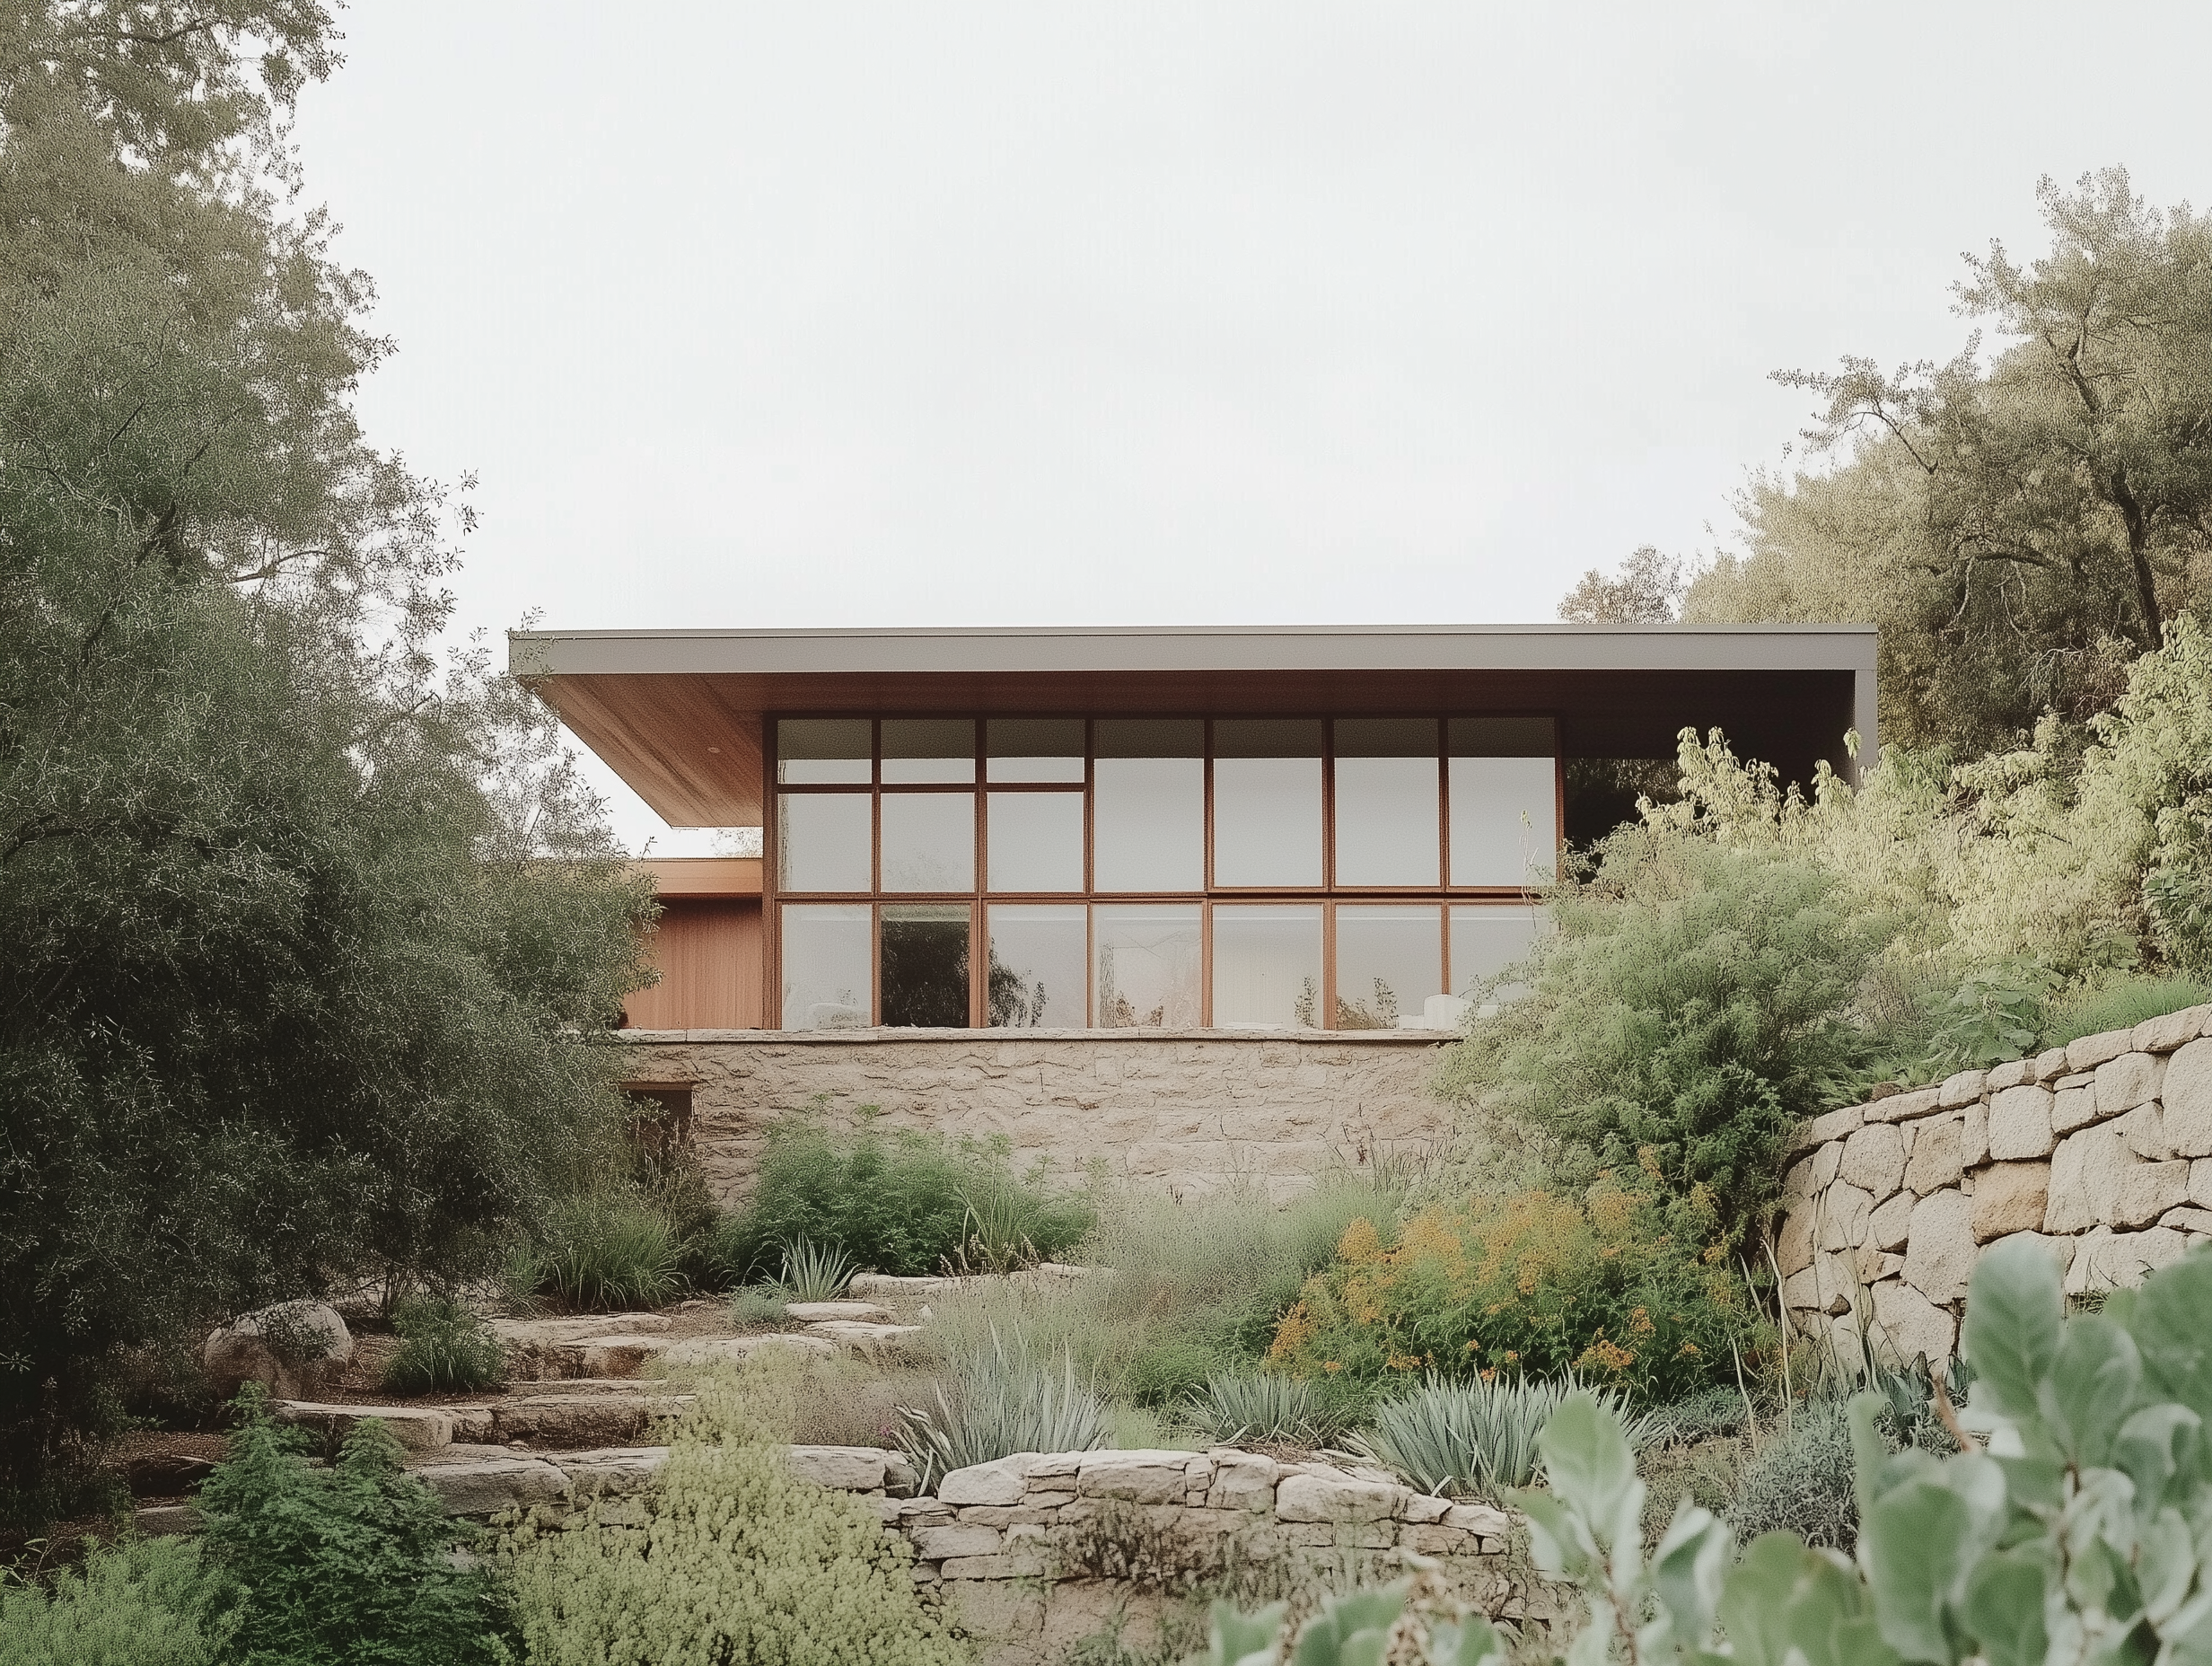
(1648, 591)
(308, 930)
(2021, 528)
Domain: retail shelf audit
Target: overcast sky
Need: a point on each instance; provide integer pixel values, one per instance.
(792, 315)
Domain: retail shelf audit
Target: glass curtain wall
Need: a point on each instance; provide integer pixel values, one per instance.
(1112, 872)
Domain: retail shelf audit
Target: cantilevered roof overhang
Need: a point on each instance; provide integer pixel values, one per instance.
(678, 714)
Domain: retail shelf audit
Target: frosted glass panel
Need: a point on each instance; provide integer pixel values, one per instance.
(1267, 821)
(1150, 824)
(822, 841)
(1268, 967)
(1388, 961)
(1034, 748)
(1486, 941)
(1035, 841)
(929, 748)
(825, 958)
(1504, 820)
(929, 841)
(925, 965)
(816, 751)
(1147, 968)
(1386, 821)
(1037, 966)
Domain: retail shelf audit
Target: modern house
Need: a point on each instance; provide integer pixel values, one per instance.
(1260, 852)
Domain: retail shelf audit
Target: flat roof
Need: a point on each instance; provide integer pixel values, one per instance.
(677, 714)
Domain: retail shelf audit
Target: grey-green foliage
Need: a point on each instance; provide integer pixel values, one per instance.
(1001, 1400)
(1799, 1481)
(1265, 1406)
(2084, 1531)
(815, 1272)
(144, 1602)
(1350, 1629)
(1482, 1435)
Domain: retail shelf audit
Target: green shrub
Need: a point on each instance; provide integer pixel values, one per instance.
(901, 1201)
(1800, 1481)
(1351, 1629)
(735, 1561)
(2122, 1005)
(1002, 1401)
(1625, 1286)
(1707, 1415)
(758, 1304)
(1480, 1436)
(1264, 1406)
(144, 1602)
(599, 1254)
(1170, 1372)
(444, 1349)
(344, 1566)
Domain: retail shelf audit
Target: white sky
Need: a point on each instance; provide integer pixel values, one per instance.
(788, 315)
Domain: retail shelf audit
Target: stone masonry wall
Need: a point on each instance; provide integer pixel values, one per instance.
(1185, 1113)
(2101, 1150)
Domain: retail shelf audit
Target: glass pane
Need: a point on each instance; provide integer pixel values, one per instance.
(1034, 748)
(822, 841)
(1390, 961)
(825, 957)
(1268, 967)
(929, 841)
(1386, 801)
(814, 751)
(1149, 812)
(1486, 940)
(1267, 817)
(925, 968)
(1036, 841)
(1036, 966)
(1504, 820)
(1147, 970)
(929, 748)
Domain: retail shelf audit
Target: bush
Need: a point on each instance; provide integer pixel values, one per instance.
(901, 1203)
(1480, 1436)
(2122, 1005)
(1002, 1400)
(1800, 1481)
(144, 1602)
(735, 1561)
(444, 1349)
(815, 1272)
(598, 1254)
(1707, 1415)
(1625, 1286)
(344, 1566)
(1262, 1406)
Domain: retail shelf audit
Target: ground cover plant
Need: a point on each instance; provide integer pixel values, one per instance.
(142, 1602)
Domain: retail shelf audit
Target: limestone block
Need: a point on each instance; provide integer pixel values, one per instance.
(621, 1357)
(1422, 1508)
(2164, 1034)
(1794, 1245)
(161, 1521)
(1890, 1224)
(814, 1312)
(417, 1428)
(1001, 1610)
(2020, 1124)
(2088, 1052)
(1144, 1476)
(2059, 1249)
(1836, 1280)
(1833, 1126)
(1054, 1471)
(1873, 1159)
(875, 1341)
(1872, 1265)
(2201, 1182)
(1844, 1211)
(956, 1539)
(2187, 1220)
(1962, 1089)
(997, 1482)
(287, 1349)
(1939, 1258)
(2049, 1066)
(735, 1350)
(612, 1470)
(1905, 1107)
(2187, 1093)
(1910, 1325)
(1436, 1540)
(1490, 1523)
(2085, 1180)
(1797, 1184)
(2011, 1074)
(1243, 1480)
(2145, 1130)
(486, 1485)
(1801, 1291)
(581, 1420)
(1327, 1499)
(1938, 1157)
(846, 1468)
(2010, 1197)
(2130, 1080)
(1825, 1162)
(1974, 1136)
(2075, 1107)
(2147, 1191)
(2109, 1260)
(472, 1423)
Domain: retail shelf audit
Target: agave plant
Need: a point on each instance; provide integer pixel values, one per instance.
(815, 1272)
(1480, 1436)
(1258, 1405)
(1002, 1401)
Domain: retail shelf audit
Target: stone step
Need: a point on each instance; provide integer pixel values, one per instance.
(735, 1350)
(559, 1420)
(815, 1312)
(875, 1341)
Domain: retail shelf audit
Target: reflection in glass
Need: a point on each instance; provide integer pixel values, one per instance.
(1267, 966)
(1267, 801)
(1036, 966)
(1504, 820)
(1034, 748)
(929, 748)
(822, 841)
(816, 751)
(1388, 961)
(825, 960)
(929, 841)
(1148, 967)
(1035, 841)
(1486, 939)
(925, 964)
(1148, 810)
(1386, 801)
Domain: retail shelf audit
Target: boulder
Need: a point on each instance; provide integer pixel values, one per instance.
(581, 1420)
(1939, 1260)
(2084, 1178)
(611, 1471)
(877, 1341)
(1243, 1480)
(2010, 1197)
(621, 1356)
(1874, 1159)
(1974, 1136)
(997, 1482)
(1309, 1497)
(288, 1349)
(1834, 1125)
(1938, 1158)
(1793, 1246)
(2104, 1259)
(1905, 1107)
(2049, 1064)
(2020, 1124)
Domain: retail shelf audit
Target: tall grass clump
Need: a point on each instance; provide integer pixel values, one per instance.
(595, 1254)
(444, 1349)
(815, 1272)
(1260, 1408)
(1000, 1400)
(1480, 1436)
(2122, 1005)
(144, 1602)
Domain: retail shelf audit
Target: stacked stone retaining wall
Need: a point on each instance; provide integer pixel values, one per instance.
(1185, 1113)
(2100, 1151)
